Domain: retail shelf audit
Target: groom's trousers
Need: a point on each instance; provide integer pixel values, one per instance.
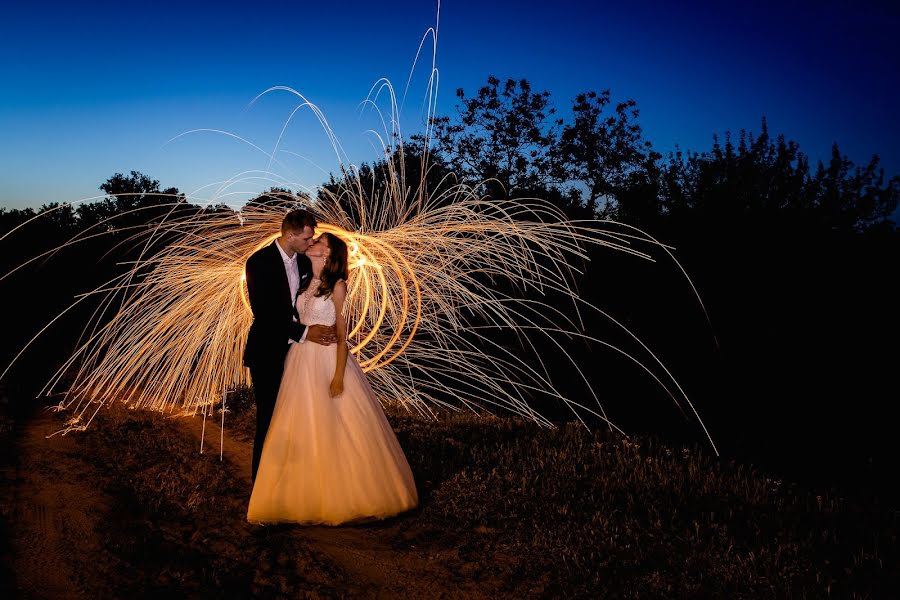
(266, 380)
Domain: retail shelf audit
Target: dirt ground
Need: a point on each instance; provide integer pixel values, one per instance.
(54, 505)
(53, 511)
(364, 552)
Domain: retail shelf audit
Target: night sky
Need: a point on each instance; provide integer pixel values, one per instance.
(88, 91)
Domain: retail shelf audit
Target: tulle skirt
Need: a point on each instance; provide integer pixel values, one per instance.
(328, 460)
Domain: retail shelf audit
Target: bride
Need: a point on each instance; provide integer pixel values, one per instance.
(330, 455)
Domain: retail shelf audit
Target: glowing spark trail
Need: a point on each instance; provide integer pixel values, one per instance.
(435, 274)
(418, 302)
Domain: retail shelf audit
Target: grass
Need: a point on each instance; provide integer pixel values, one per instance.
(575, 513)
(547, 512)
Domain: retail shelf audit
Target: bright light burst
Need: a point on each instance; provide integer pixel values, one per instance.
(435, 275)
(422, 306)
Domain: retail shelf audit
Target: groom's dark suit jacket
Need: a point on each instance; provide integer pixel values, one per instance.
(273, 310)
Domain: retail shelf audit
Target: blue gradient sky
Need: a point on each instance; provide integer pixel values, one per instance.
(91, 90)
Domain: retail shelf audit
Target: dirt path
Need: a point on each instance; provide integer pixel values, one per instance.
(363, 551)
(55, 504)
(53, 507)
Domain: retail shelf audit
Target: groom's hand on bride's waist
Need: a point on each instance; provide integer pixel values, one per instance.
(322, 334)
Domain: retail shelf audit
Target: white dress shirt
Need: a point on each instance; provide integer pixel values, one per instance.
(290, 267)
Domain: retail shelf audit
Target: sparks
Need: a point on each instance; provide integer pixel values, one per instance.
(423, 303)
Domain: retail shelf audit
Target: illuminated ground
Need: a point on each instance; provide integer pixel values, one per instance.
(507, 510)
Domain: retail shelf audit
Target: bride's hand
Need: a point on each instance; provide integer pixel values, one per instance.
(337, 387)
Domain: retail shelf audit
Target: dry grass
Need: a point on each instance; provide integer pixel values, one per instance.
(547, 512)
(581, 514)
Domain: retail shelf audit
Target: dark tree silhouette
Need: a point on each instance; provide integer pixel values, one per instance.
(768, 181)
(11, 217)
(135, 190)
(131, 200)
(504, 134)
(279, 197)
(507, 141)
(607, 154)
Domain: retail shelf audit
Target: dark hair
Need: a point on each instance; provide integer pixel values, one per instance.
(335, 267)
(296, 220)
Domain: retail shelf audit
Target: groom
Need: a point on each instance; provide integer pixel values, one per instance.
(276, 274)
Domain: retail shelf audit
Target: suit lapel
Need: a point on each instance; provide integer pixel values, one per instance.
(283, 284)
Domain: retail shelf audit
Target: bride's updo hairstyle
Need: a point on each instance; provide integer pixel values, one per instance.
(335, 265)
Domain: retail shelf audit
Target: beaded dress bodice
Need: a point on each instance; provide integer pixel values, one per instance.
(315, 310)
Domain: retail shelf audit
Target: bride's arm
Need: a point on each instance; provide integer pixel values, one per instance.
(338, 294)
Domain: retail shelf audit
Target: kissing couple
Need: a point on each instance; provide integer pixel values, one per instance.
(324, 452)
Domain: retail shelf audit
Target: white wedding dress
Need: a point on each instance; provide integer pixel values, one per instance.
(328, 460)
